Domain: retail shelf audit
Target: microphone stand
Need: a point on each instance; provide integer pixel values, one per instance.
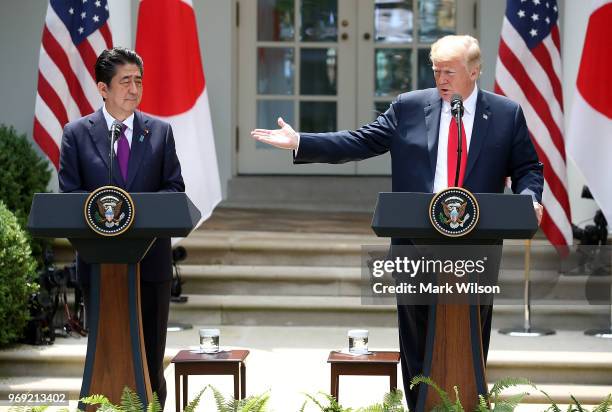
(111, 156)
(458, 119)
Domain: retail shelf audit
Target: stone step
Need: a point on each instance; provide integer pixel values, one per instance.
(346, 281)
(349, 311)
(215, 247)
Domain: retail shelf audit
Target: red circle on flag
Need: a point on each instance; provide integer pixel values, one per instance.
(593, 75)
(167, 41)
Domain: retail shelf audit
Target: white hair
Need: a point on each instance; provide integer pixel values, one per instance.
(455, 46)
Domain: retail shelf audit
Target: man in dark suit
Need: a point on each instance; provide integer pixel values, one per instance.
(145, 161)
(418, 131)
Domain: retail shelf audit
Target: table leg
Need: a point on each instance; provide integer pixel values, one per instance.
(242, 380)
(177, 391)
(335, 380)
(237, 382)
(393, 379)
(185, 390)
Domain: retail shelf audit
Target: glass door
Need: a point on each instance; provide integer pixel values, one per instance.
(326, 65)
(304, 55)
(394, 38)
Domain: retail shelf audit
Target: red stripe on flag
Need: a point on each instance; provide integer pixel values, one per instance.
(50, 97)
(46, 143)
(543, 57)
(533, 95)
(554, 33)
(59, 57)
(548, 225)
(553, 234)
(89, 57)
(554, 182)
(106, 34)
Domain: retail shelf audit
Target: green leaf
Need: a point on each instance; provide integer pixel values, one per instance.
(605, 405)
(130, 401)
(95, 400)
(191, 406)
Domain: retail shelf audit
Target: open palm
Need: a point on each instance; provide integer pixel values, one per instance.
(284, 138)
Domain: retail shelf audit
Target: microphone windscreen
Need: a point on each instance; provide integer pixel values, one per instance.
(456, 98)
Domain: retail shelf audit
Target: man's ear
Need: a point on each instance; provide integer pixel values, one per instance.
(103, 89)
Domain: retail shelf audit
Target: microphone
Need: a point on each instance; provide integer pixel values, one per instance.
(114, 133)
(456, 103)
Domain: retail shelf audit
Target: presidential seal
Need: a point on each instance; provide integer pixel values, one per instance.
(109, 211)
(454, 212)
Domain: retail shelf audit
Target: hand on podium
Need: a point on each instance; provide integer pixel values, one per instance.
(283, 138)
(539, 211)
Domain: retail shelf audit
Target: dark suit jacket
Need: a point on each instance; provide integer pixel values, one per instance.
(153, 167)
(500, 145)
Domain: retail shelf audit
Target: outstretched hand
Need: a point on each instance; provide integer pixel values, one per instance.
(283, 138)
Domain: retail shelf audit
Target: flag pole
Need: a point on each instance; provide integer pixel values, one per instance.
(527, 329)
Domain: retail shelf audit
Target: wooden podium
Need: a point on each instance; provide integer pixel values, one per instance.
(115, 347)
(453, 354)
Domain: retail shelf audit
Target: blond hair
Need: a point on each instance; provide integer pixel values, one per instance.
(457, 46)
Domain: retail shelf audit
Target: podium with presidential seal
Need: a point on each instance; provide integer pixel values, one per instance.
(112, 230)
(453, 223)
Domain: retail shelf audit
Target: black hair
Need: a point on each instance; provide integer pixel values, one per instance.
(108, 60)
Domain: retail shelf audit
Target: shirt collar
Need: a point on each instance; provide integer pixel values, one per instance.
(469, 104)
(129, 122)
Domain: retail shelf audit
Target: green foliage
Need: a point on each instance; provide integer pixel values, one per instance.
(331, 405)
(17, 277)
(255, 403)
(507, 404)
(603, 406)
(22, 173)
(392, 402)
(130, 402)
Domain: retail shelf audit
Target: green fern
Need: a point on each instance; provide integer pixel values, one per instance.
(95, 400)
(194, 403)
(130, 401)
(392, 402)
(154, 405)
(332, 403)
(446, 405)
(605, 405)
(553, 406)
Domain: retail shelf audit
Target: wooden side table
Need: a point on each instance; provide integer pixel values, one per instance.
(223, 363)
(374, 364)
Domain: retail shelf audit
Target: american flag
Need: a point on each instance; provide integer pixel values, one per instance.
(75, 33)
(528, 71)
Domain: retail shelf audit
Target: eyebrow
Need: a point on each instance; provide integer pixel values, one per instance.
(138, 77)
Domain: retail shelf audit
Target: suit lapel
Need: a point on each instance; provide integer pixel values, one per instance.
(99, 133)
(432, 124)
(139, 143)
(482, 118)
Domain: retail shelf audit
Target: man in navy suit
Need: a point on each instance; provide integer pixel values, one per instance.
(418, 132)
(146, 161)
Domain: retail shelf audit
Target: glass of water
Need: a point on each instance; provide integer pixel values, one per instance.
(209, 340)
(358, 341)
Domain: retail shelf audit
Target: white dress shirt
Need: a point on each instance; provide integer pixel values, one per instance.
(469, 107)
(129, 123)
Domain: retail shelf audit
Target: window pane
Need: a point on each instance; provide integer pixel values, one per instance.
(319, 20)
(318, 71)
(317, 116)
(268, 111)
(425, 77)
(275, 20)
(437, 18)
(392, 71)
(275, 69)
(393, 21)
